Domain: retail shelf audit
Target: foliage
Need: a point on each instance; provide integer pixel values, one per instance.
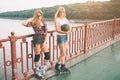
(90, 10)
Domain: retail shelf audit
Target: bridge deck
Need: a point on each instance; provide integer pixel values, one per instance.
(105, 65)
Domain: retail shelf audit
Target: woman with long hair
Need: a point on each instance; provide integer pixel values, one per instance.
(60, 19)
(39, 41)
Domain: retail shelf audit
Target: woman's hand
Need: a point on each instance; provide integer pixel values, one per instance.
(24, 23)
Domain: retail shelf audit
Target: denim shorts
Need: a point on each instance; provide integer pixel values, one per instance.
(61, 39)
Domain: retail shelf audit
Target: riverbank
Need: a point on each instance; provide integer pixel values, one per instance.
(90, 10)
(82, 21)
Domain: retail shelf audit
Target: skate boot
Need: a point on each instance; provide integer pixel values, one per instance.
(57, 68)
(64, 69)
(38, 73)
(44, 69)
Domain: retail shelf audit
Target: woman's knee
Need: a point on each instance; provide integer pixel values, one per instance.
(47, 55)
(37, 57)
(63, 54)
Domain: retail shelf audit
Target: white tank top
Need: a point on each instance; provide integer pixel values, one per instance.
(61, 22)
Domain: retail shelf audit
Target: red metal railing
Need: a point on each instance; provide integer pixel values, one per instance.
(17, 51)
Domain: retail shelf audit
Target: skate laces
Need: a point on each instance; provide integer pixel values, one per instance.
(39, 73)
(44, 69)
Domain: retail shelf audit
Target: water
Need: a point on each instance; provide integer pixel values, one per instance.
(9, 25)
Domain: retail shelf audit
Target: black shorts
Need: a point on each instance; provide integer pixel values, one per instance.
(38, 39)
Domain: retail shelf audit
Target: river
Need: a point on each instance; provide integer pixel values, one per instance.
(10, 25)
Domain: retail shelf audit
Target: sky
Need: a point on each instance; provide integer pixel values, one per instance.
(14, 5)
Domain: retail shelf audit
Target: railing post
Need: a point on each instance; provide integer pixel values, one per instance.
(113, 31)
(85, 37)
(13, 40)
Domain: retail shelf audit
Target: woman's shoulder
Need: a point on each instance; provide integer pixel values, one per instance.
(57, 18)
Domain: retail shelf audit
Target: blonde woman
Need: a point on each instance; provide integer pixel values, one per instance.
(60, 19)
(39, 40)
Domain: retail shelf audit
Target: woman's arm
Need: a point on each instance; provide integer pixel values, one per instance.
(27, 22)
(46, 37)
(59, 30)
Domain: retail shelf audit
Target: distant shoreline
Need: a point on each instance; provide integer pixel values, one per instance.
(71, 20)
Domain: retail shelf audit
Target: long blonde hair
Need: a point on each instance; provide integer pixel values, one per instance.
(36, 20)
(58, 12)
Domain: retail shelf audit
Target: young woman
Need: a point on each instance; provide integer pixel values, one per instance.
(60, 19)
(39, 40)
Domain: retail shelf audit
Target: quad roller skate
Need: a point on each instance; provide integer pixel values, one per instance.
(44, 69)
(38, 74)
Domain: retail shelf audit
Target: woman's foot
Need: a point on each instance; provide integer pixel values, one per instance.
(57, 67)
(44, 69)
(38, 72)
(64, 69)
